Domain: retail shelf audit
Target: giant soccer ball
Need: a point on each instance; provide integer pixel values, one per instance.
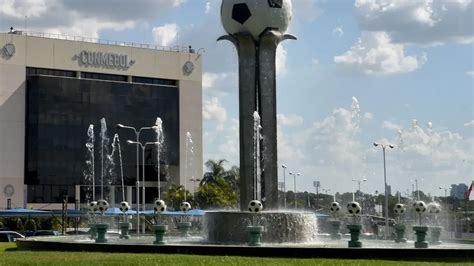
(335, 207)
(255, 206)
(93, 206)
(255, 16)
(353, 208)
(399, 209)
(185, 206)
(124, 207)
(102, 205)
(160, 206)
(434, 208)
(419, 206)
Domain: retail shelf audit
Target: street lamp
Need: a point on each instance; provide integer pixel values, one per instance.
(284, 184)
(384, 146)
(137, 134)
(294, 176)
(143, 146)
(358, 181)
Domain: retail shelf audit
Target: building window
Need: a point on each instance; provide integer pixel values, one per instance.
(32, 71)
(99, 76)
(154, 81)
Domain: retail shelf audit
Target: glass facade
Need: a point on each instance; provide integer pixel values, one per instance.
(59, 112)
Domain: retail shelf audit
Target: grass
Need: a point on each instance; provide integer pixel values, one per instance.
(9, 255)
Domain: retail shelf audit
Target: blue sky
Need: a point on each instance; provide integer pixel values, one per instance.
(361, 71)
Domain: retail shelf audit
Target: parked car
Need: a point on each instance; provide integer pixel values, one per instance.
(10, 236)
(46, 233)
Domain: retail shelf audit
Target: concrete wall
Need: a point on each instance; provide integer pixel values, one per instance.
(62, 54)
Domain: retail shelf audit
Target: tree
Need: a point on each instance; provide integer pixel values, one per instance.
(216, 171)
(175, 195)
(218, 194)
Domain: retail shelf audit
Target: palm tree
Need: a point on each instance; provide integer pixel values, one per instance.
(216, 172)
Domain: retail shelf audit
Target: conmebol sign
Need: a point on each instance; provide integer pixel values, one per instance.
(101, 59)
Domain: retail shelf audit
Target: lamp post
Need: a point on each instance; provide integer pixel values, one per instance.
(294, 176)
(143, 146)
(284, 184)
(137, 135)
(447, 210)
(358, 181)
(384, 146)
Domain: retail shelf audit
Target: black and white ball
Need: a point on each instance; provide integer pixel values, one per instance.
(255, 16)
(335, 207)
(93, 206)
(160, 206)
(434, 208)
(399, 209)
(124, 206)
(102, 205)
(255, 206)
(185, 206)
(353, 208)
(419, 206)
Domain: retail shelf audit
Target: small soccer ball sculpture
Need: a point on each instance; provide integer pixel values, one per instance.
(124, 207)
(335, 207)
(255, 16)
(93, 206)
(255, 206)
(353, 208)
(434, 208)
(102, 205)
(185, 206)
(419, 206)
(399, 209)
(160, 206)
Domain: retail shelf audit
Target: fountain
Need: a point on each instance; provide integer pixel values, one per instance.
(400, 227)
(355, 227)
(335, 222)
(434, 209)
(159, 229)
(420, 230)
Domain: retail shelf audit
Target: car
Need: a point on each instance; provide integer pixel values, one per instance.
(10, 236)
(46, 233)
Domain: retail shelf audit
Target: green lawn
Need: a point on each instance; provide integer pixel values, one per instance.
(9, 255)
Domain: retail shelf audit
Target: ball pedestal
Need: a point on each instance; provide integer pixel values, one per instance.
(255, 235)
(400, 231)
(101, 231)
(354, 230)
(435, 232)
(184, 228)
(160, 231)
(420, 232)
(124, 227)
(335, 227)
(93, 231)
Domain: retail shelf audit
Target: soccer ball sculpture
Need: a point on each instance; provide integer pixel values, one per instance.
(185, 206)
(255, 16)
(419, 206)
(102, 205)
(160, 206)
(255, 206)
(335, 207)
(434, 208)
(353, 208)
(93, 206)
(399, 209)
(124, 207)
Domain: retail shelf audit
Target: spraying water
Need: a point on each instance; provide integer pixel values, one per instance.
(115, 148)
(160, 139)
(257, 127)
(89, 173)
(188, 158)
(107, 165)
(355, 111)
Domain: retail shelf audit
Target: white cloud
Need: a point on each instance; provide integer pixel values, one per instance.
(424, 22)
(307, 9)
(375, 54)
(470, 73)
(213, 110)
(281, 58)
(208, 8)
(338, 31)
(84, 18)
(469, 124)
(290, 120)
(165, 35)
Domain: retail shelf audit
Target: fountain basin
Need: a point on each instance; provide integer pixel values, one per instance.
(280, 227)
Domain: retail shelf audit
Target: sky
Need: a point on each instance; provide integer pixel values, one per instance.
(362, 71)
